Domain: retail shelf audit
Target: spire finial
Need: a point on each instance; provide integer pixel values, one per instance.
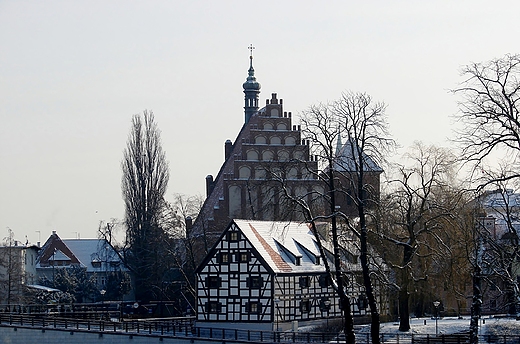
(251, 48)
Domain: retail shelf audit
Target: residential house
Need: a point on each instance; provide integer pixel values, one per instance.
(17, 269)
(96, 256)
(270, 275)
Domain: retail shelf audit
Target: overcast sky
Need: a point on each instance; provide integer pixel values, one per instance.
(74, 72)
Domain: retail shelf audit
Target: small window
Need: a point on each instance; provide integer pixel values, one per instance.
(298, 261)
(224, 258)
(255, 282)
(96, 264)
(305, 306)
(213, 282)
(304, 282)
(213, 307)
(325, 304)
(233, 236)
(244, 257)
(324, 281)
(254, 307)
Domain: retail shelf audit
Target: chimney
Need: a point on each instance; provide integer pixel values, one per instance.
(209, 184)
(228, 149)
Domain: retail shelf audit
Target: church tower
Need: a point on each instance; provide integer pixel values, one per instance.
(251, 90)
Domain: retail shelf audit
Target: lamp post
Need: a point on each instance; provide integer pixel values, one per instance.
(276, 301)
(327, 307)
(436, 304)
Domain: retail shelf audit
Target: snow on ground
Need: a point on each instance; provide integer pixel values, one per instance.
(489, 325)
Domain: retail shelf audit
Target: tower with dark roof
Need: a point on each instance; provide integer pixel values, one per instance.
(251, 90)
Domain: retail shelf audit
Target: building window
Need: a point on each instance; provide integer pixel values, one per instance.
(244, 257)
(224, 258)
(213, 307)
(304, 282)
(254, 307)
(233, 236)
(324, 281)
(324, 304)
(213, 282)
(255, 282)
(305, 306)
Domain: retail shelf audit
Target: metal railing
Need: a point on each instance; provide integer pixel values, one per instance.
(184, 327)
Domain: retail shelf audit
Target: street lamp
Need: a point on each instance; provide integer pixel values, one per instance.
(327, 307)
(436, 304)
(276, 301)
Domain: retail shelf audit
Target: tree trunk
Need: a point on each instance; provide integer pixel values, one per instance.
(475, 306)
(404, 310)
(374, 314)
(404, 296)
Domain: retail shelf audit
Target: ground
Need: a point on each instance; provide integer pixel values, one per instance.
(490, 325)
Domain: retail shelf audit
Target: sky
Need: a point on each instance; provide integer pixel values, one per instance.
(72, 74)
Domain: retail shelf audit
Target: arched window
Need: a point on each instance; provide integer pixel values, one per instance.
(268, 126)
(244, 172)
(290, 141)
(283, 155)
(293, 173)
(298, 155)
(235, 201)
(260, 173)
(275, 113)
(267, 156)
(252, 155)
(260, 140)
(275, 140)
(281, 126)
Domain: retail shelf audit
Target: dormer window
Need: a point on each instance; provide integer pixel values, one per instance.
(304, 282)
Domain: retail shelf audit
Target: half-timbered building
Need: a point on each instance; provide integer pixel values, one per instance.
(268, 275)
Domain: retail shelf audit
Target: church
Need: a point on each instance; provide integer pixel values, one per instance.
(253, 248)
(269, 160)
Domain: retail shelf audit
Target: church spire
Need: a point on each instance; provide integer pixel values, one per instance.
(251, 89)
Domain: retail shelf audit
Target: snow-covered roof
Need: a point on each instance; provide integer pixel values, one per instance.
(95, 255)
(285, 246)
(91, 250)
(345, 161)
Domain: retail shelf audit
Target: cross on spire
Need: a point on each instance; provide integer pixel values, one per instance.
(251, 48)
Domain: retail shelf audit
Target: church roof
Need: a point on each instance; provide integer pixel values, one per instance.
(346, 162)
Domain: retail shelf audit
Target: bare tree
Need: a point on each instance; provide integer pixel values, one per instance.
(350, 186)
(416, 211)
(365, 128)
(144, 184)
(489, 112)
